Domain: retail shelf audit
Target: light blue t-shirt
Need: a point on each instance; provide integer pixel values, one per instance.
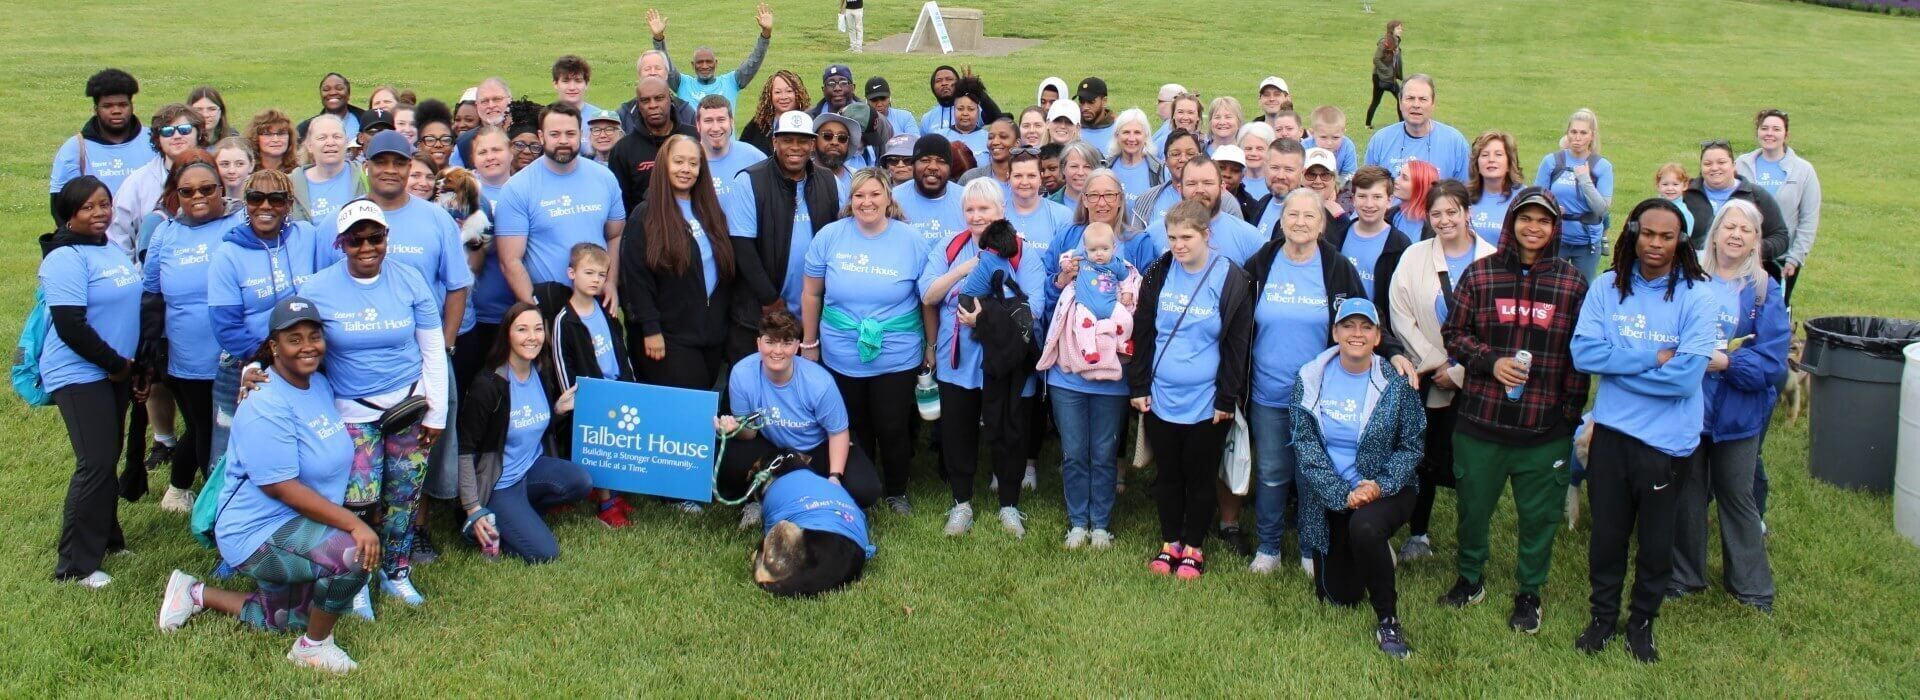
(975, 140)
(1346, 160)
(1039, 226)
(743, 222)
(703, 244)
(1135, 180)
(1289, 327)
(869, 277)
(1456, 266)
(1769, 174)
(937, 218)
(956, 355)
(726, 85)
(280, 433)
(422, 235)
(1363, 252)
(1187, 363)
(811, 502)
(1165, 200)
(1100, 137)
(527, 421)
(491, 297)
(1231, 236)
(179, 258)
(254, 279)
(1718, 198)
(1255, 185)
(1566, 190)
(739, 157)
(1066, 239)
(105, 282)
(371, 349)
(1486, 216)
(800, 414)
(1443, 146)
(1343, 401)
(602, 336)
(902, 122)
(936, 120)
(554, 211)
(325, 198)
(112, 163)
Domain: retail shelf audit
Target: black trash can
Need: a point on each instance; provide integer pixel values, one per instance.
(1855, 363)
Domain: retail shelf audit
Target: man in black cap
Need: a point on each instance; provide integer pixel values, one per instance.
(776, 206)
(880, 97)
(1096, 121)
(632, 158)
(372, 121)
(928, 203)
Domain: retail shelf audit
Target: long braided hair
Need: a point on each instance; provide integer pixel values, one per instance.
(1686, 261)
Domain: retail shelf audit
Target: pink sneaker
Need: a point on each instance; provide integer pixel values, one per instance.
(1163, 562)
(1192, 565)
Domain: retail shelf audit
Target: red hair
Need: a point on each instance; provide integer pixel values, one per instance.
(1420, 177)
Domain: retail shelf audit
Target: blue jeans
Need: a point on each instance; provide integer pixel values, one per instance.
(1586, 257)
(1089, 426)
(516, 509)
(1273, 463)
(443, 464)
(226, 397)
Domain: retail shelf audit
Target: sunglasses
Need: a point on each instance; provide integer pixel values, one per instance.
(1024, 151)
(437, 140)
(202, 191)
(527, 147)
(1716, 143)
(836, 138)
(278, 199)
(175, 130)
(358, 241)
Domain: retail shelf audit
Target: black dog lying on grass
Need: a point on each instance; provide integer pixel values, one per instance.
(814, 538)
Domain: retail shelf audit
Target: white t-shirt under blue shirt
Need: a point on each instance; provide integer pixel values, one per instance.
(554, 211)
(1343, 400)
(1289, 327)
(370, 324)
(1364, 252)
(105, 282)
(800, 414)
(280, 433)
(526, 423)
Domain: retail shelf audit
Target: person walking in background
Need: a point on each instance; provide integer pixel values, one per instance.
(854, 22)
(1386, 70)
(1794, 185)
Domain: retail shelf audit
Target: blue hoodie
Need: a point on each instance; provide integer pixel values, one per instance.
(1618, 341)
(248, 276)
(1740, 398)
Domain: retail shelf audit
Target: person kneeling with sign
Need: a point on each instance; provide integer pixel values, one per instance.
(815, 538)
(787, 404)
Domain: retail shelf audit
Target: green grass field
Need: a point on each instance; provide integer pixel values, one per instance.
(665, 608)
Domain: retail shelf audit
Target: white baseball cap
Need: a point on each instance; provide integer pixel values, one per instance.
(357, 211)
(1323, 158)
(1064, 109)
(1275, 81)
(1170, 91)
(1230, 154)
(471, 94)
(793, 122)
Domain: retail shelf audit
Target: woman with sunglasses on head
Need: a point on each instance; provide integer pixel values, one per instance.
(176, 326)
(1795, 187)
(270, 133)
(1720, 182)
(173, 132)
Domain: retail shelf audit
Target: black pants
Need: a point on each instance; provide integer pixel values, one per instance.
(470, 353)
(1357, 559)
(878, 412)
(1630, 486)
(1039, 411)
(1435, 468)
(95, 413)
(195, 399)
(1787, 298)
(961, 411)
(1188, 457)
(684, 366)
(859, 480)
(1381, 87)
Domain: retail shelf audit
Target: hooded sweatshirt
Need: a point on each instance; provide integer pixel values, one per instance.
(1501, 306)
(248, 275)
(1619, 339)
(106, 159)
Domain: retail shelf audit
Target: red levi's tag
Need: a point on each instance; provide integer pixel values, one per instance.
(1537, 314)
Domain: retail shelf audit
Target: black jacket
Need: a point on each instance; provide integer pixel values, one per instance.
(1389, 261)
(358, 114)
(1337, 275)
(1773, 229)
(632, 162)
(483, 431)
(761, 262)
(629, 111)
(70, 322)
(1236, 341)
(570, 351)
(663, 303)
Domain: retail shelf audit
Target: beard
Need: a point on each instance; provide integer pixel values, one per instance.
(562, 155)
(830, 161)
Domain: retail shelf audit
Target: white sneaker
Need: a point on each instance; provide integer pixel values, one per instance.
(1264, 563)
(1010, 518)
(1306, 564)
(363, 602)
(177, 500)
(96, 580)
(959, 519)
(993, 484)
(176, 605)
(324, 655)
(1076, 538)
(1100, 539)
(1032, 480)
(402, 587)
(750, 516)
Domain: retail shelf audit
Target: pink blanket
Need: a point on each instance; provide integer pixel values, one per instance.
(1088, 346)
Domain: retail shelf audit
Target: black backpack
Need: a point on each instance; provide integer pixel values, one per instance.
(1603, 218)
(1004, 329)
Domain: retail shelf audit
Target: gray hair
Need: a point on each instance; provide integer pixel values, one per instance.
(1133, 114)
(1748, 272)
(1086, 151)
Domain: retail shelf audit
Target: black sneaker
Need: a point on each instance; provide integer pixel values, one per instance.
(423, 550)
(1640, 641)
(1463, 593)
(1392, 639)
(1236, 539)
(1595, 637)
(159, 455)
(1526, 614)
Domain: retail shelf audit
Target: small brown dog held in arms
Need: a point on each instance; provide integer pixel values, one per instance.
(1794, 394)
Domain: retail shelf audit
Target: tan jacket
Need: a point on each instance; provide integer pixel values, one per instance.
(1410, 302)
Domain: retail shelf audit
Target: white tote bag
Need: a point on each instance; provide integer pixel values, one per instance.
(1236, 462)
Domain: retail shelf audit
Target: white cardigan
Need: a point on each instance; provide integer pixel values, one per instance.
(1410, 301)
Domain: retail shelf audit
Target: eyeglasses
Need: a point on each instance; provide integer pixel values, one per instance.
(604, 130)
(436, 140)
(278, 199)
(839, 82)
(1101, 196)
(358, 241)
(837, 138)
(203, 191)
(528, 147)
(1322, 175)
(175, 130)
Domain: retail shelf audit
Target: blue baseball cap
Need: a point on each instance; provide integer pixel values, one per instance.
(1357, 306)
(388, 141)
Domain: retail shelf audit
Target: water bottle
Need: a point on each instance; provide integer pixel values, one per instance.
(1526, 362)
(926, 395)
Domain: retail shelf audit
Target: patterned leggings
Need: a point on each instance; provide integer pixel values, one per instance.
(304, 563)
(400, 467)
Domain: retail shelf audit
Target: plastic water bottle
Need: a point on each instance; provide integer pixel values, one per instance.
(926, 395)
(1526, 362)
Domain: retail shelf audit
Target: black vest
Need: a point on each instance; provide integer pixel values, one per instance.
(773, 211)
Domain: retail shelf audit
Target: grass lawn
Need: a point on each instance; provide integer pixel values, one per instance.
(665, 607)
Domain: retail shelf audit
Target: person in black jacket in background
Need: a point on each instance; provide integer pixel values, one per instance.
(769, 202)
(1717, 184)
(679, 273)
(633, 156)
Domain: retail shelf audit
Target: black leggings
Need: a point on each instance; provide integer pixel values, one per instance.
(195, 399)
(1435, 468)
(1381, 88)
(1040, 411)
(1357, 559)
(1188, 457)
(961, 410)
(684, 366)
(470, 353)
(95, 413)
(878, 412)
(742, 455)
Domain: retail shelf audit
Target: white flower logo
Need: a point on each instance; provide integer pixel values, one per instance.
(200, 249)
(862, 260)
(1184, 299)
(1288, 290)
(1348, 406)
(370, 315)
(1640, 321)
(629, 418)
(566, 200)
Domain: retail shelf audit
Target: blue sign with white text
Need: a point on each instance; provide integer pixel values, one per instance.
(640, 438)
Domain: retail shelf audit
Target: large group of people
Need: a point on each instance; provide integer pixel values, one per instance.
(381, 310)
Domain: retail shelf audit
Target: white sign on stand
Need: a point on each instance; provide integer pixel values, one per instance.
(930, 22)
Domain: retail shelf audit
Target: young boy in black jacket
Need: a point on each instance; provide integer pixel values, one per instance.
(586, 341)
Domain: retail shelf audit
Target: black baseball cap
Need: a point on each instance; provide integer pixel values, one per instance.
(1090, 89)
(877, 88)
(374, 121)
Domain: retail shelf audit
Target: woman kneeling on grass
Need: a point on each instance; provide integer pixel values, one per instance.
(1358, 433)
(507, 474)
(280, 518)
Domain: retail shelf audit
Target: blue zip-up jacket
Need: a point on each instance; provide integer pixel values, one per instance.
(1391, 443)
(1740, 398)
(1619, 340)
(247, 277)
